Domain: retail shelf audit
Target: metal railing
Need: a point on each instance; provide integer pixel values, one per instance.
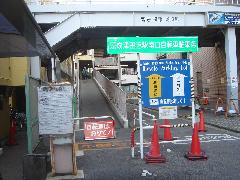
(144, 2)
(116, 96)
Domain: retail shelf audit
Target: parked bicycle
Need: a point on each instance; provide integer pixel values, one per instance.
(19, 118)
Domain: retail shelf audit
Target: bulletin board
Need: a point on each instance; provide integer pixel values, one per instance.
(55, 109)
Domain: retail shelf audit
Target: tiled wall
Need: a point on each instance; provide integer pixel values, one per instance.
(211, 62)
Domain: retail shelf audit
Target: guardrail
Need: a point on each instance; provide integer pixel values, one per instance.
(116, 96)
(146, 2)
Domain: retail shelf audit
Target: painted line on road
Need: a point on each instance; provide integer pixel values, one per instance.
(203, 139)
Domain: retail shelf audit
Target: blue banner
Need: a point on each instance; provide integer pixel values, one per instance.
(165, 82)
(220, 18)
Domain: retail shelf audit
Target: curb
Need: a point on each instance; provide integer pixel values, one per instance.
(222, 127)
(211, 124)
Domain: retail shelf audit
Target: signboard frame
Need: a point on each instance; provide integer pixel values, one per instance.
(159, 74)
(55, 109)
(157, 50)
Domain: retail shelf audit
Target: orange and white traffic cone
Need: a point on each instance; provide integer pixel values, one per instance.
(205, 99)
(167, 136)
(195, 153)
(12, 134)
(201, 122)
(154, 155)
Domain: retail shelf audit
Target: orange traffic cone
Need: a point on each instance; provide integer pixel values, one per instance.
(195, 153)
(201, 122)
(154, 156)
(12, 134)
(167, 136)
(205, 99)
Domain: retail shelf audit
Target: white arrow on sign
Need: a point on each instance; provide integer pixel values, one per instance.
(178, 84)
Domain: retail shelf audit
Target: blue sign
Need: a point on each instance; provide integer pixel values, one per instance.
(219, 18)
(165, 82)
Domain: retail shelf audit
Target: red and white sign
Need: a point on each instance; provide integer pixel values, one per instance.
(99, 130)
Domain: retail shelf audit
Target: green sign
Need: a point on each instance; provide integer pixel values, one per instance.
(118, 45)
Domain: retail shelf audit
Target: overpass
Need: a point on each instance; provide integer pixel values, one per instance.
(86, 25)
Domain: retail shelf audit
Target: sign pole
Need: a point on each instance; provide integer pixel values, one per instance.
(119, 71)
(140, 105)
(192, 90)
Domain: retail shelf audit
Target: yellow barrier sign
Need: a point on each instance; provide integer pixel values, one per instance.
(155, 85)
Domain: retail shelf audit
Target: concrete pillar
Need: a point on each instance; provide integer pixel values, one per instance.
(35, 67)
(231, 66)
(53, 70)
(119, 71)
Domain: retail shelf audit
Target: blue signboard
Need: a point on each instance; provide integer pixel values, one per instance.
(219, 18)
(165, 82)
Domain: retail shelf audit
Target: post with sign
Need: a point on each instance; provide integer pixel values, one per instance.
(140, 105)
(192, 90)
(155, 75)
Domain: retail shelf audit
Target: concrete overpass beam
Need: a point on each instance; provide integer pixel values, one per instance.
(64, 29)
(46, 18)
(231, 66)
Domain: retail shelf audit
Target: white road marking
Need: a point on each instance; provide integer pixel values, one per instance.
(203, 139)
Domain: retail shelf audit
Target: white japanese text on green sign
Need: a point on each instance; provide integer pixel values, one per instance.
(118, 45)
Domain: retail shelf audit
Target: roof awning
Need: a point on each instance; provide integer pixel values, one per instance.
(20, 35)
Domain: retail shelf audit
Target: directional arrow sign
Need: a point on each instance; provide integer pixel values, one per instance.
(165, 82)
(178, 84)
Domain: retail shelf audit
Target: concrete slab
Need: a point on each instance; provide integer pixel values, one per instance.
(80, 175)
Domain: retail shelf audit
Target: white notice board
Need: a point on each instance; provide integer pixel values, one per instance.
(168, 112)
(55, 109)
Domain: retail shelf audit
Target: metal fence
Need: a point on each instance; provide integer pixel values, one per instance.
(146, 2)
(116, 96)
(31, 85)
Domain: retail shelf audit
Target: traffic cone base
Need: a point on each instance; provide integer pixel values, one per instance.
(154, 159)
(170, 139)
(193, 157)
(202, 130)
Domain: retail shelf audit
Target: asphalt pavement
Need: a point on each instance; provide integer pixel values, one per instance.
(111, 159)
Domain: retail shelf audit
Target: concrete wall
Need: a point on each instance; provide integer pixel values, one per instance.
(44, 74)
(19, 66)
(4, 71)
(13, 70)
(66, 66)
(211, 62)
